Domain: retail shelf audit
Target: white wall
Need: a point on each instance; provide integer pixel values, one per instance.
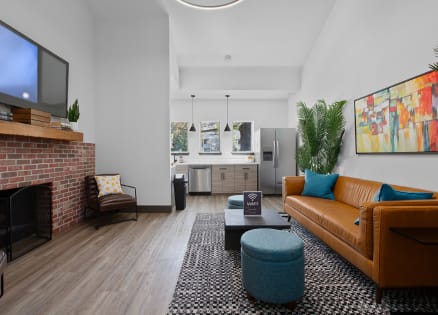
(264, 113)
(66, 28)
(366, 46)
(132, 103)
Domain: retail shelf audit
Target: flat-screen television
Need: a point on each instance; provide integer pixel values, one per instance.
(30, 75)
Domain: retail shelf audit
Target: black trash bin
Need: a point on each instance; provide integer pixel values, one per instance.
(179, 187)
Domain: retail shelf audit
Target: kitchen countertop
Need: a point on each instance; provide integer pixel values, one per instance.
(188, 163)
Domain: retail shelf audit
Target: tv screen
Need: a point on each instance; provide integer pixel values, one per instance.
(18, 66)
(30, 75)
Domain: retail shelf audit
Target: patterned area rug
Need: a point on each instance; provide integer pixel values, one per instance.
(209, 281)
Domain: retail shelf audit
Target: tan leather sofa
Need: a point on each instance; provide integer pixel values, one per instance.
(388, 258)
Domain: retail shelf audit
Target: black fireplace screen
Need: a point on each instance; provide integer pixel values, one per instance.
(25, 219)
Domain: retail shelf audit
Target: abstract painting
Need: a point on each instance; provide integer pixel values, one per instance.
(399, 119)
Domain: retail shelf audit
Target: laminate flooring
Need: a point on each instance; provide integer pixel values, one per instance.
(126, 268)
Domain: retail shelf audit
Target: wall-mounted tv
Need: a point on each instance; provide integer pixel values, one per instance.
(30, 75)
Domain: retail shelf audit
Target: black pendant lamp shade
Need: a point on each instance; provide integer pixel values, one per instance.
(192, 127)
(227, 127)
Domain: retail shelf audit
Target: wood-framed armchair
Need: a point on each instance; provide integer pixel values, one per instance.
(109, 204)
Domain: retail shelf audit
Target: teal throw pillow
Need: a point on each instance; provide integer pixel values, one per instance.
(318, 185)
(387, 193)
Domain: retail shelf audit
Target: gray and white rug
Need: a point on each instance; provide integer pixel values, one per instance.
(209, 281)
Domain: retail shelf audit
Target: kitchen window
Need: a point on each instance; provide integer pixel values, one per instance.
(242, 136)
(179, 136)
(210, 137)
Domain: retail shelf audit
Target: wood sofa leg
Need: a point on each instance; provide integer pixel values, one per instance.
(291, 305)
(379, 294)
(250, 297)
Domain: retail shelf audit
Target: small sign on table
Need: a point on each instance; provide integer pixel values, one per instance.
(252, 202)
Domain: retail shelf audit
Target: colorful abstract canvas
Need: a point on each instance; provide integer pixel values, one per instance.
(399, 119)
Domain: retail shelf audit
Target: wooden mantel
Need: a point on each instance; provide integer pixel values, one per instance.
(19, 129)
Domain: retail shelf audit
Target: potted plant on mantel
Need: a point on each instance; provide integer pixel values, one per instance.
(73, 115)
(321, 129)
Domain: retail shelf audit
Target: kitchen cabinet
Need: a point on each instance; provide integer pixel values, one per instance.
(245, 178)
(234, 179)
(222, 179)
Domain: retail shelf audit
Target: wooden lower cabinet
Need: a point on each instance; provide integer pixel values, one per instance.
(222, 179)
(233, 179)
(245, 178)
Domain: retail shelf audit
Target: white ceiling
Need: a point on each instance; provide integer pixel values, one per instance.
(253, 32)
(256, 33)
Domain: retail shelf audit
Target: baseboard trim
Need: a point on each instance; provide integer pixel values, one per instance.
(148, 208)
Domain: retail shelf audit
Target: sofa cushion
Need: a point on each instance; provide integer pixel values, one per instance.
(355, 191)
(319, 185)
(387, 193)
(334, 216)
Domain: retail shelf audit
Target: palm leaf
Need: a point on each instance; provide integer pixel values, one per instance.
(434, 66)
(321, 129)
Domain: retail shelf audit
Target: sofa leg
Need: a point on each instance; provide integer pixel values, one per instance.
(291, 305)
(250, 297)
(2, 284)
(379, 294)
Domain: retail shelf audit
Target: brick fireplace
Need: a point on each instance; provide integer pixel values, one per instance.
(63, 165)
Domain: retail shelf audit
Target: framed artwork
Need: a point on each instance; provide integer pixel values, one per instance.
(401, 118)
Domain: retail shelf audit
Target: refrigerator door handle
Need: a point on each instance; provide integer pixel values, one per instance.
(276, 145)
(274, 152)
(277, 153)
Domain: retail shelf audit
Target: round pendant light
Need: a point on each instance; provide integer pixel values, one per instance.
(227, 127)
(192, 127)
(209, 4)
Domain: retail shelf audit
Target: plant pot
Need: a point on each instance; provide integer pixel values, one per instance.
(74, 125)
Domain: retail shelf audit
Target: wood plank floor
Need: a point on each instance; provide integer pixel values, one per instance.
(126, 268)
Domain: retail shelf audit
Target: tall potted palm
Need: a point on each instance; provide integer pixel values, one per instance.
(321, 129)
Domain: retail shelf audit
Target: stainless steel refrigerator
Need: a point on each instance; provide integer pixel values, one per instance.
(275, 152)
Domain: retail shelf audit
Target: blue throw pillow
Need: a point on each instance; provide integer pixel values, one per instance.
(318, 185)
(387, 193)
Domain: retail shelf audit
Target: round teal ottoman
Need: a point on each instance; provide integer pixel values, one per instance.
(235, 202)
(273, 266)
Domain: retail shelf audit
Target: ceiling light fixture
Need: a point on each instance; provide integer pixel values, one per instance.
(227, 127)
(192, 128)
(209, 4)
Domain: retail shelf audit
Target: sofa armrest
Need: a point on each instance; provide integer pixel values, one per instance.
(400, 261)
(292, 185)
(366, 219)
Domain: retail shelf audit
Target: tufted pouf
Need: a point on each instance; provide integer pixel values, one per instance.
(235, 202)
(273, 266)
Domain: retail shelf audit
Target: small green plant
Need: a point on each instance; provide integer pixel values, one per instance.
(434, 66)
(73, 112)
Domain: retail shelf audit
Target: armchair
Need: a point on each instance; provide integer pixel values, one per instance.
(109, 204)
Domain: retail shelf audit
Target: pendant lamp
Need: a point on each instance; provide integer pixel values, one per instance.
(227, 127)
(208, 4)
(192, 128)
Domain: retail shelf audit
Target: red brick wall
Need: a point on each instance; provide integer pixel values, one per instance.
(30, 161)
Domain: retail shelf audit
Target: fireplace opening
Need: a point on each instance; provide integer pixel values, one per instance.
(25, 219)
